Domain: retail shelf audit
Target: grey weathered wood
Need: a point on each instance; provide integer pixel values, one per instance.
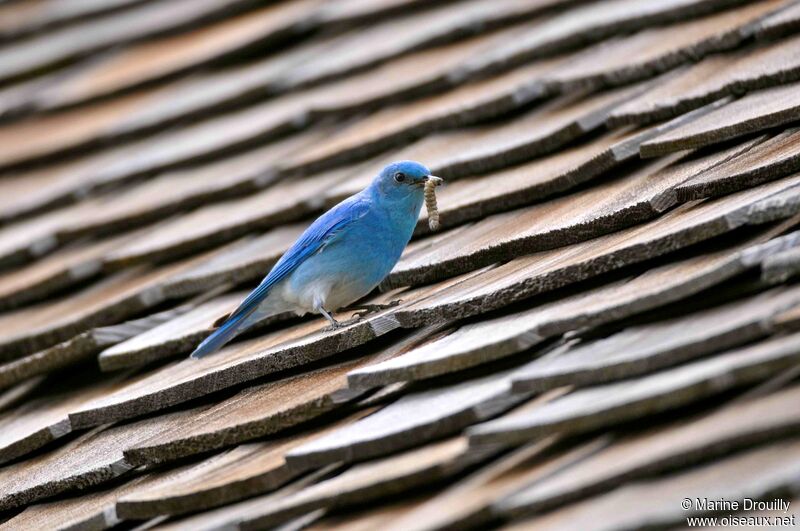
(438, 25)
(111, 214)
(208, 519)
(42, 189)
(788, 321)
(491, 339)
(108, 301)
(21, 243)
(616, 204)
(414, 419)
(399, 125)
(73, 351)
(557, 35)
(311, 63)
(287, 201)
(466, 504)
(784, 22)
(605, 405)
(781, 266)
(524, 277)
(458, 154)
(204, 95)
(542, 130)
(772, 159)
(769, 469)
(362, 483)
(108, 75)
(715, 77)
(93, 458)
(61, 270)
(656, 50)
(86, 511)
(257, 411)
(375, 517)
(201, 141)
(98, 508)
(37, 327)
(33, 238)
(717, 239)
(355, 11)
(411, 32)
(238, 363)
(754, 112)
(512, 185)
(647, 348)
(34, 191)
(14, 396)
(242, 472)
(82, 347)
(677, 444)
(130, 25)
(176, 147)
(247, 259)
(591, 23)
(444, 150)
(22, 20)
(42, 418)
(126, 293)
(179, 334)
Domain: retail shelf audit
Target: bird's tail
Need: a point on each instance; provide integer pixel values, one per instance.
(220, 337)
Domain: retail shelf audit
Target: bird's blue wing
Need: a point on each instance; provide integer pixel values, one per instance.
(321, 233)
(312, 241)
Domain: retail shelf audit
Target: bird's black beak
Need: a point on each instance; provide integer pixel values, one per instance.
(436, 180)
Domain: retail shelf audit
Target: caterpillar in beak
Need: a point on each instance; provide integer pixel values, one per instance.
(430, 201)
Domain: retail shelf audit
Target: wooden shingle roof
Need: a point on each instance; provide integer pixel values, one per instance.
(607, 322)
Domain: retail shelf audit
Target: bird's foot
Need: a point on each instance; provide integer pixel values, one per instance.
(335, 325)
(367, 309)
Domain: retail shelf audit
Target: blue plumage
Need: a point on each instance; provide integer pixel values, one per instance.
(340, 258)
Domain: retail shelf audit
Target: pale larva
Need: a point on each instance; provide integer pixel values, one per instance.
(430, 201)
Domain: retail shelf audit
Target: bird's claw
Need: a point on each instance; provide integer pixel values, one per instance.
(366, 309)
(335, 325)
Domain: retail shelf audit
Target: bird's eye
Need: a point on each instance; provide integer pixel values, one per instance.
(399, 177)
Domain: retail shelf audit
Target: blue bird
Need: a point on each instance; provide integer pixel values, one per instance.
(340, 258)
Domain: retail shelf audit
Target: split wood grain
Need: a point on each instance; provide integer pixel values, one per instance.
(678, 444)
(609, 404)
(82, 347)
(496, 338)
(766, 467)
(371, 481)
(656, 50)
(715, 77)
(756, 111)
(241, 362)
(241, 472)
(643, 349)
(258, 411)
(548, 270)
(774, 158)
(412, 420)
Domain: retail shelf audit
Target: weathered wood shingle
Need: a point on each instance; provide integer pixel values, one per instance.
(609, 310)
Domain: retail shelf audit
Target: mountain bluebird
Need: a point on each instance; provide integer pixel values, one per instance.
(340, 258)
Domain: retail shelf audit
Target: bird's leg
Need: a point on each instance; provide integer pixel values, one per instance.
(334, 323)
(367, 309)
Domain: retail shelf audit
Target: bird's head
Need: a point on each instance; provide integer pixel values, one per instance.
(401, 180)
